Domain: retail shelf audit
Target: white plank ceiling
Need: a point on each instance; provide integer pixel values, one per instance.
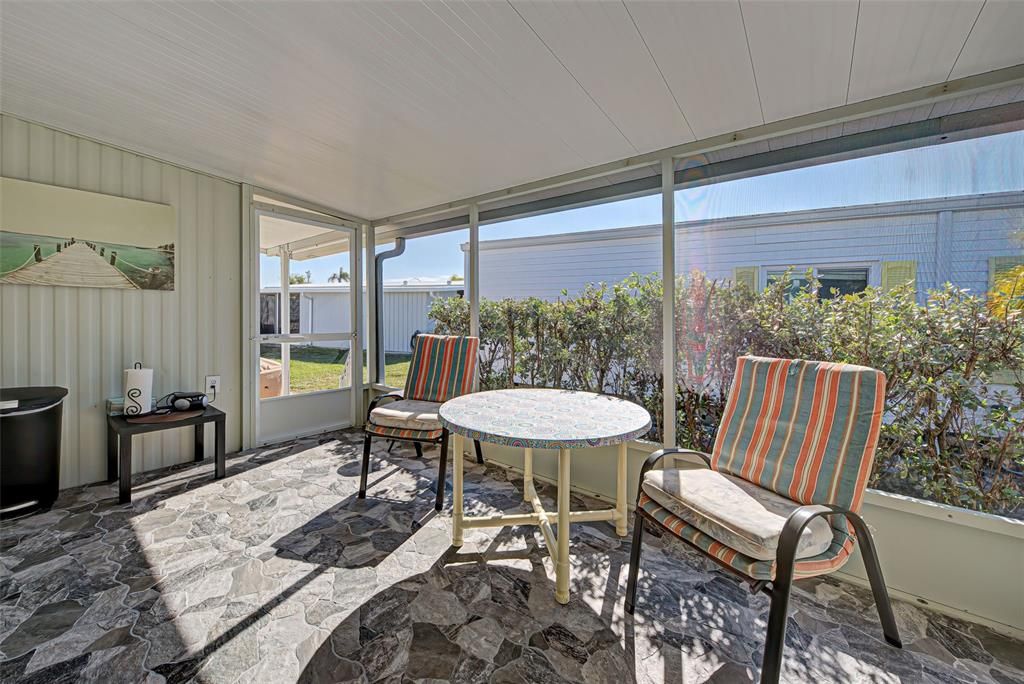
(382, 107)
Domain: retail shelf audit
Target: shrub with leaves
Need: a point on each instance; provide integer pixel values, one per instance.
(951, 432)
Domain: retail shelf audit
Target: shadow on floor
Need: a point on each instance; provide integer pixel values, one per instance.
(467, 620)
(279, 572)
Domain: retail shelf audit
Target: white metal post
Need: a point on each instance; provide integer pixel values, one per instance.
(355, 352)
(285, 321)
(474, 270)
(250, 319)
(668, 279)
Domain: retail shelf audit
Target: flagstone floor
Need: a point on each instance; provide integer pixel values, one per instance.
(279, 573)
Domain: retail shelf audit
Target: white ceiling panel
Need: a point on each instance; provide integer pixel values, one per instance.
(701, 49)
(801, 53)
(996, 41)
(378, 107)
(599, 44)
(374, 110)
(550, 95)
(901, 44)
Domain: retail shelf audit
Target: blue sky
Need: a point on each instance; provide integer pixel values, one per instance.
(992, 164)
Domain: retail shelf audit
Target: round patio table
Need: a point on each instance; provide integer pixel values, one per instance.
(544, 419)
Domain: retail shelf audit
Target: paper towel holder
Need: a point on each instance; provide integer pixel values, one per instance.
(138, 398)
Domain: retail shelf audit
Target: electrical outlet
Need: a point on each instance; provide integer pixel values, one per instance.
(212, 384)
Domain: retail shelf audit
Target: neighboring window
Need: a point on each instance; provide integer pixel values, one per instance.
(835, 281)
(797, 279)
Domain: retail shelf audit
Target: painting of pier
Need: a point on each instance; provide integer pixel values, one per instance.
(55, 236)
(44, 260)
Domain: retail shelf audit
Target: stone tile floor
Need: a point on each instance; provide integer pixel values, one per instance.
(279, 573)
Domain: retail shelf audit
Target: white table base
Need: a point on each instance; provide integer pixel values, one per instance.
(558, 548)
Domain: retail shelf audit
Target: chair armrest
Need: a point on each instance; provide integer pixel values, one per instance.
(654, 458)
(380, 399)
(785, 563)
(785, 555)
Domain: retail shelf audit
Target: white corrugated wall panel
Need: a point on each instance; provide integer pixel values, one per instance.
(82, 338)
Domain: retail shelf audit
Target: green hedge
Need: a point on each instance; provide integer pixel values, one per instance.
(950, 434)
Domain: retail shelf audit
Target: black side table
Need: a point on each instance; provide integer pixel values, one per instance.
(119, 444)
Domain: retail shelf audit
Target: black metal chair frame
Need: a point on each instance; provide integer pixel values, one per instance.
(779, 588)
(442, 467)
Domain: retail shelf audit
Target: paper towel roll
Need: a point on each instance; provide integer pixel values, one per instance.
(138, 390)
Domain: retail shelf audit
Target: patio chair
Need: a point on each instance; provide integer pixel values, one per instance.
(442, 367)
(781, 497)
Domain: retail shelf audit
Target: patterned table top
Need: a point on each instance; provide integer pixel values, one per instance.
(545, 418)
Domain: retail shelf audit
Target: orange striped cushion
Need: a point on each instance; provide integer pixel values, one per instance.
(442, 367)
(403, 433)
(804, 429)
(828, 561)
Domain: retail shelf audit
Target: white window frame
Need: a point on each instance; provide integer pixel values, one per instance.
(874, 270)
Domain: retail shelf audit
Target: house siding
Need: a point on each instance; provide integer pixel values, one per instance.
(979, 235)
(949, 240)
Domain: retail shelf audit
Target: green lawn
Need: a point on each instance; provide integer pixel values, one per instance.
(320, 368)
(396, 367)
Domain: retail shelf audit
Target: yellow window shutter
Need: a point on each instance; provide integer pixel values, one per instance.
(895, 273)
(1000, 266)
(746, 275)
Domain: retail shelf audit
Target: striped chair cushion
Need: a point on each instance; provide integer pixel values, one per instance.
(737, 513)
(403, 433)
(804, 429)
(831, 559)
(442, 367)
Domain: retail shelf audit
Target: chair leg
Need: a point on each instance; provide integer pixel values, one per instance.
(419, 449)
(775, 638)
(878, 588)
(634, 561)
(442, 475)
(479, 451)
(366, 466)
